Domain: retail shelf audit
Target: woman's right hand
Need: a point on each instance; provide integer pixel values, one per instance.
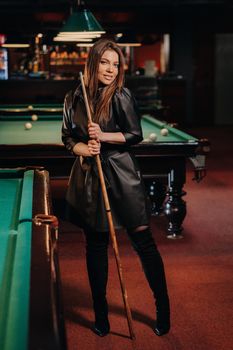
(94, 147)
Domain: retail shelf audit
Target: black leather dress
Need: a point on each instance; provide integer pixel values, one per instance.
(127, 196)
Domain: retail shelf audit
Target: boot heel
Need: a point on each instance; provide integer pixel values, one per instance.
(161, 330)
(102, 327)
(162, 324)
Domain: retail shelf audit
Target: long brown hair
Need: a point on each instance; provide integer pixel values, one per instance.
(100, 103)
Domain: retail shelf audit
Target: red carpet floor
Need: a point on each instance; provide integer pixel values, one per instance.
(199, 271)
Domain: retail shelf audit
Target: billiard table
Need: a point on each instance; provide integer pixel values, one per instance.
(163, 162)
(30, 292)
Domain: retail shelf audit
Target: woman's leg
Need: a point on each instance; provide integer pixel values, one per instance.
(97, 267)
(152, 263)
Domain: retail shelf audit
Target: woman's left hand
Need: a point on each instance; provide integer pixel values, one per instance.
(95, 132)
(94, 147)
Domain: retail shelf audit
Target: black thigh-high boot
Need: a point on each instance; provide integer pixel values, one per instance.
(97, 267)
(153, 267)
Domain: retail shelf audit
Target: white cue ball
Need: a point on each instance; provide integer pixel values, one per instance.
(30, 107)
(153, 137)
(146, 140)
(28, 126)
(164, 132)
(34, 117)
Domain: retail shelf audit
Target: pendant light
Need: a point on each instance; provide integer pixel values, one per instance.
(15, 42)
(128, 40)
(80, 26)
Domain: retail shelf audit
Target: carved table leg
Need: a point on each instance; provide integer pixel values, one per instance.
(175, 208)
(157, 194)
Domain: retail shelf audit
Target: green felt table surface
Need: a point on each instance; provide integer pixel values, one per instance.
(30, 108)
(15, 253)
(151, 125)
(47, 129)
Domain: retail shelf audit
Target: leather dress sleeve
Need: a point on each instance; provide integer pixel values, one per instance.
(68, 137)
(128, 117)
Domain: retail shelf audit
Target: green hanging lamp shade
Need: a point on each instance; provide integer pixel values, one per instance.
(81, 26)
(82, 20)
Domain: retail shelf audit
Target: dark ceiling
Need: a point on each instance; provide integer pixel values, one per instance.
(28, 17)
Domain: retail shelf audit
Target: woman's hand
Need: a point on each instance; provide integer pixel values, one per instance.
(94, 147)
(95, 132)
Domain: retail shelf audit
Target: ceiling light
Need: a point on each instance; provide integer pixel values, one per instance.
(12, 42)
(128, 40)
(83, 35)
(81, 22)
(75, 39)
(130, 44)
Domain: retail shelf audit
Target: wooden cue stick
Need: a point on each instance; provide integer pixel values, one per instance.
(110, 222)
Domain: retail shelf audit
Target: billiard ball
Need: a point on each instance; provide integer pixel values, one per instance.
(164, 132)
(30, 107)
(28, 126)
(146, 140)
(34, 117)
(153, 137)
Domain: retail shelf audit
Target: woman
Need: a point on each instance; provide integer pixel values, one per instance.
(115, 127)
